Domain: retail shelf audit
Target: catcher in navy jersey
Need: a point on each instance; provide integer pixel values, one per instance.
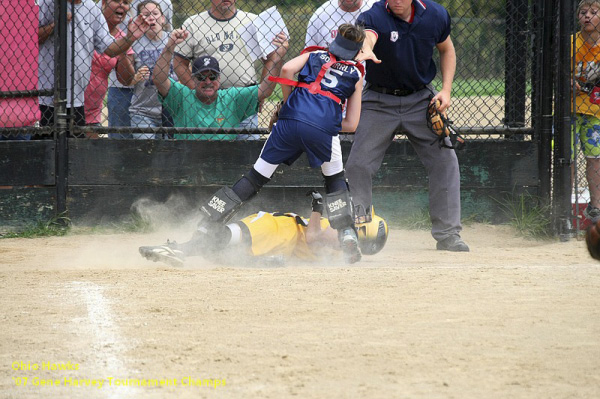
(309, 122)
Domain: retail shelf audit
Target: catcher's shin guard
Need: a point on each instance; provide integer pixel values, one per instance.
(249, 185)
(210, 234)
(221, 207)
(339, 209)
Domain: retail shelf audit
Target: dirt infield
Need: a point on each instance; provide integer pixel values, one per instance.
(511, 319)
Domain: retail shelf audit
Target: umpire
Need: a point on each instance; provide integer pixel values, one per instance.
(401, 36)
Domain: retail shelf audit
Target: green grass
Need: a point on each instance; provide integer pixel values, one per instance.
(61, 226)
(419, 220)
(472, 87)
(527, 215)
(57, 226)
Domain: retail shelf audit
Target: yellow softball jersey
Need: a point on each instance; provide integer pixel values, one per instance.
(280, 234)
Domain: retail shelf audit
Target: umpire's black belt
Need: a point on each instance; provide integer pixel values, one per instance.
(393, 92)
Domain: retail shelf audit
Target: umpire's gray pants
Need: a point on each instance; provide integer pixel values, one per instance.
(380, 117)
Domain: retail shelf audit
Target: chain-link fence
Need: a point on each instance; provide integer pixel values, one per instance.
(109, 75)
(84, 70)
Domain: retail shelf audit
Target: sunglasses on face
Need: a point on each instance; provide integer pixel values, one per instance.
(212, 76)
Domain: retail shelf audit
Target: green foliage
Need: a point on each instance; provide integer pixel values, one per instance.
(57, 226)
(528, 216)
(474, 218)
(475, 8)
(61, 226)
(419, 220)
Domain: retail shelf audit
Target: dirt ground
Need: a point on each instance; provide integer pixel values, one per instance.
(511, 319)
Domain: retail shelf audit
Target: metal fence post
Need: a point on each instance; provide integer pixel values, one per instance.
(562, 137)
(546, 57)
(60, 114)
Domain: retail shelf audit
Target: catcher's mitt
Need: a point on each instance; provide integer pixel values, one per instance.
(439, 124)
(592, 239)
(275, 115)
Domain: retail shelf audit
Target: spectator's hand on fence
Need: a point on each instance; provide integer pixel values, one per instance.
(141, 74)
(177, 36)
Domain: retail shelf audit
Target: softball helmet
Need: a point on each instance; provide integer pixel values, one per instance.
(372, 235)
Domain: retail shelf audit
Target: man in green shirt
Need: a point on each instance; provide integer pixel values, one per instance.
(207, 106)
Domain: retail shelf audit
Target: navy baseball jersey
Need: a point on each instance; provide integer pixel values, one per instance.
(405, 49)
(315, 109)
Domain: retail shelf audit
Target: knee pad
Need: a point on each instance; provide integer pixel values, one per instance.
(249, 185)
(221, 207)
(339, 209)
(335, 182)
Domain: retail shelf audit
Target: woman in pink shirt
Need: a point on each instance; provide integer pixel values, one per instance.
(115, 12)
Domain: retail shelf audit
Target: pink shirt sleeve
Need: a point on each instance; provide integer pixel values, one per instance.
(102, 65)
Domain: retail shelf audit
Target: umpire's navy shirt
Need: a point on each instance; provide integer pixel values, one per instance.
(405, 49)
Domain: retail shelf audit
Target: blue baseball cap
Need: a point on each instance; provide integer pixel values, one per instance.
(343, 48)
(205, 63)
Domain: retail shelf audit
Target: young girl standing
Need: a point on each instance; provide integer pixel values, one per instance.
(145, 110)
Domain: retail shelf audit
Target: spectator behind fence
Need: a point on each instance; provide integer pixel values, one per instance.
(146, 109)
(119, 95)
(18, 65)
(587, 85)
(323, 25)
(206, 105)
(401, 36)
(214, 33)
(114, 12)
(91, 33)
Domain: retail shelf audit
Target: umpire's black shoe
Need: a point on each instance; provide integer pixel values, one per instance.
(452, 243)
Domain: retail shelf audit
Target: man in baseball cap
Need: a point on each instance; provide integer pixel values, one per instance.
(206, 72)
(207, 105)
(205, 63)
